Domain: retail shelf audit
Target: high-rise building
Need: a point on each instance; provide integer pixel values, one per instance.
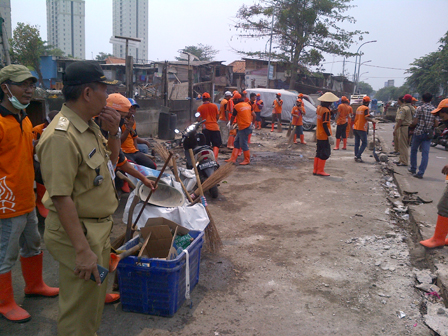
(66, 26)
(130, 19)
(5, 13)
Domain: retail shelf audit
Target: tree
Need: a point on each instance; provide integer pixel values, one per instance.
(303, 30)
(391, 92)
(365, 88)
(27, 47)
(102, 56)
(202, 51)
(430, 72)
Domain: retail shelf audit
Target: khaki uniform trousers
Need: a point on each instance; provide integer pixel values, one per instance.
(403, 144)
(81, 302)
(396, 142)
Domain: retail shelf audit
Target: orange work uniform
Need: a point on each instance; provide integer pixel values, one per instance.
(344, 111)
(128, 146)
(38, 130)
(16, 164)
(360, 118)
(297, 119)
(223, 111)
(323, 117)
(243, 115)
(210, 113)
(277, 106)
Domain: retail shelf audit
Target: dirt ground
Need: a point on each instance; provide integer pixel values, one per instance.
(302, 255)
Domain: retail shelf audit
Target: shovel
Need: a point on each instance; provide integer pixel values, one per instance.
(116, 258)
(375, 155)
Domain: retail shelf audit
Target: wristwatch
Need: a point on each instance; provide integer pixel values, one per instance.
(116, 135)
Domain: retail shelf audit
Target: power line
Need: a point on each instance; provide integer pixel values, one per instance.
(368, 65)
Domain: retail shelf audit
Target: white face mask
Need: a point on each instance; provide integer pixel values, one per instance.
(15, 102)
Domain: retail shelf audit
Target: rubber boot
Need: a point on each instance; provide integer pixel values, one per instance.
(112, 298)
(248, 139)
(302, 139)
(240, 151)
(272, 128)
(32, 273)
(316, 160)
(8, 307)
(234, 156)
(344, 141)
(230, 141)
(295, 138)
(439, 237)
(40, 191)
(216, 152)
(246, 158)
(125, 187)
(259, 125)
(338, 141)
(320, 168)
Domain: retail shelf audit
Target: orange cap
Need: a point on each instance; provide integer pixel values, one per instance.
(236, 96)
(245, 92)
(344, 98)
(414, 99)
(118, 102)
(300, 95)
(258, 95)
(205, 95)
(366, 99)
(279, 94)
(442, 104)
(299, 100)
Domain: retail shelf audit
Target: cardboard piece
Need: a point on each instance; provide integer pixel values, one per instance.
(181, 231)
(160, 244)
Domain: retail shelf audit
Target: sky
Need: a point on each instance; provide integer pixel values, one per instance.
(404, 30)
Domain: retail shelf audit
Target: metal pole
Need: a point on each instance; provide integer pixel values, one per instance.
(190, 88)
(270, 49)
(356, 59)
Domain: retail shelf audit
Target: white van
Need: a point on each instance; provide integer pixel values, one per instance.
(289, 100)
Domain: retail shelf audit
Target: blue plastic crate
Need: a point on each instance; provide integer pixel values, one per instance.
(160, 288)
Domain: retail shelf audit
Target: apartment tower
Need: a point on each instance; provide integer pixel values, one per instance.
(130, 19)
(66, 26)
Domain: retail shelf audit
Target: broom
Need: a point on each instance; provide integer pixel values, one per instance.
(130, 229)
(220, 174)
(289, 129)
(213, 240)
(291, 137)
(163, 152)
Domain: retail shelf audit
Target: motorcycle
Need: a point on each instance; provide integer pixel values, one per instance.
(193, 138)
(440, 137)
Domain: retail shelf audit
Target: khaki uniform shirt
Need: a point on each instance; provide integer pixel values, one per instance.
(405, 113)
(72, 153)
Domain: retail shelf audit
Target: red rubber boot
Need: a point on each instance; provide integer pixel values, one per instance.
(344, 141)
(248, 139)
(230, 141)
(8, 307)
(302, 139)
(316, 160)
(216, 152)
(320, 168)
(295, 138)
(439, 237)
(246, 158)
(32, 273)
(338, 141)
(112, 298)
(234, 156)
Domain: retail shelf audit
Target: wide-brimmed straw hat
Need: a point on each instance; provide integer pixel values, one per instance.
(328, 97)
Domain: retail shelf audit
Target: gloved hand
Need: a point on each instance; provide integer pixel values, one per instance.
(331, 140)
(228, 125)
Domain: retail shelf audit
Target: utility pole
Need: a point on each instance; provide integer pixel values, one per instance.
(165, 84)
(129, 63)
(212, 94)
(190, 87)
(270, 49)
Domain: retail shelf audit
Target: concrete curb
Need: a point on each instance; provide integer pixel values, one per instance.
(422, 218)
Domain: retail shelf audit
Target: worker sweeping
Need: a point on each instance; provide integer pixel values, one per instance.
(277, 111)
(257, 109)
(244, 117)
(210, 113)
(232, 132)
(323, 132)
(297, 120)
(344, 110)
(224, 116)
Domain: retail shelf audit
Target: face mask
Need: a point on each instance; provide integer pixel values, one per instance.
(15, 102)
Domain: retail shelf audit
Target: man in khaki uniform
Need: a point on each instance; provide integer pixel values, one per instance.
(404, 118)
(77, 165)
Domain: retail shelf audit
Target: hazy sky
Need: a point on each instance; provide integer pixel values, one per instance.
(405, 30)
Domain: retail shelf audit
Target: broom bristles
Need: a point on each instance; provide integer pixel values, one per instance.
(213, 241)
(220, 174)
(162, 151)
(291, 137)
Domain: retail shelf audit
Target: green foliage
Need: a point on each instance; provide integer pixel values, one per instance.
(303, 30)
(27, 47)
(366, 88)
(430, 72)
(203, 52)
(392, 93)
(102, 56)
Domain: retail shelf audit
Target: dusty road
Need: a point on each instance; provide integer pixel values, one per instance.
(303, 255)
